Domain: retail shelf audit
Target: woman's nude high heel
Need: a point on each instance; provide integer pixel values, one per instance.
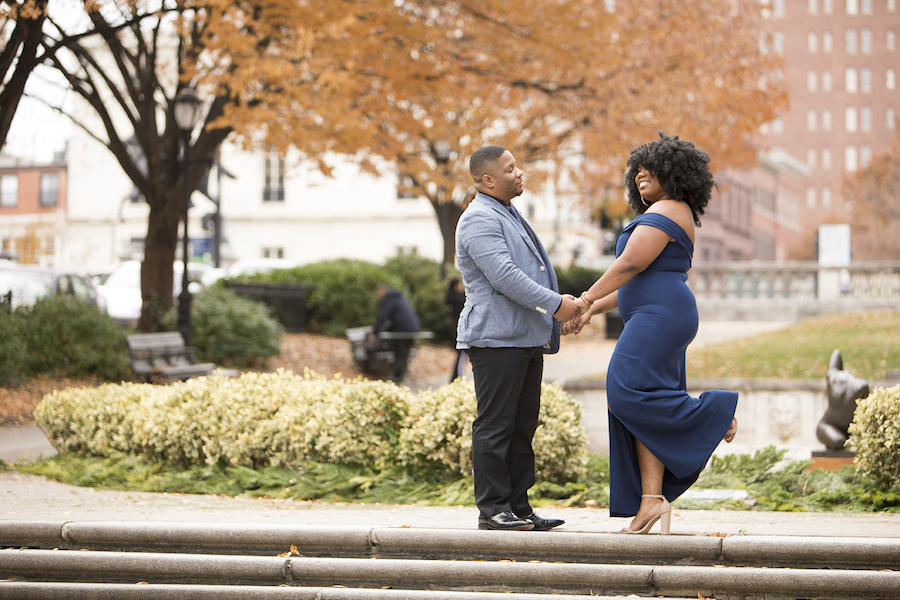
(664, 512)
(732, 431)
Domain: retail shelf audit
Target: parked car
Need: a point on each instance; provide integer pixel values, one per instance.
(26, 284)
(247, 266)
(120, 287)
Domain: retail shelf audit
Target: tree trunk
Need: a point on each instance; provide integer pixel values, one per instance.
(448, 214)
(157, 269)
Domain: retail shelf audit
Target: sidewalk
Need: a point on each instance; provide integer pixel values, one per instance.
(26, 497)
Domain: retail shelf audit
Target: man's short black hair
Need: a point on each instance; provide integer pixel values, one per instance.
(482, 159)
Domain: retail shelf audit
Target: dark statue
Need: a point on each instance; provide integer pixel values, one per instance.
(843, 391)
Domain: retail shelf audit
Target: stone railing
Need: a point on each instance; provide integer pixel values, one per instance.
(792, 290)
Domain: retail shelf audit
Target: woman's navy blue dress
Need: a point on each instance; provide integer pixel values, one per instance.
(646, 383)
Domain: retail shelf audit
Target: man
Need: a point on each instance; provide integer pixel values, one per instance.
(395, 315)
(506, 326)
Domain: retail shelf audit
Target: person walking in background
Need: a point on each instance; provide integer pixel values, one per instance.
(456, 299)
(506, 326)
(660, 437)
(396, 315)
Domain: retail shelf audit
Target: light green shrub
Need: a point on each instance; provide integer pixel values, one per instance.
(875, 434)
(439, 430)
(261, 419)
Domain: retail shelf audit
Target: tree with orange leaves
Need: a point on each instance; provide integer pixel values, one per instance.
(570, 85)
(875, 195)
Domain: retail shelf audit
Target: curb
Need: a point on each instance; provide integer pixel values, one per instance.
(393, 542)
(530, 577)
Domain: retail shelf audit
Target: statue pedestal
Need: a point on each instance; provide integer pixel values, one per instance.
(832, 460)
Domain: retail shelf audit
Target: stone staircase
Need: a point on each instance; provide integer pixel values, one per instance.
(99, 560)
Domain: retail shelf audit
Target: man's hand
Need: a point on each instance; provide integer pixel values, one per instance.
(568, 310)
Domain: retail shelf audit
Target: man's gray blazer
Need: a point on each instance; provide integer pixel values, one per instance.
(506, 274)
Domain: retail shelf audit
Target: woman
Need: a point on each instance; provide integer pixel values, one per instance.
(660, 437)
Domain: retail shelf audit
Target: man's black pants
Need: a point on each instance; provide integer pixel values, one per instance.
(508, 392)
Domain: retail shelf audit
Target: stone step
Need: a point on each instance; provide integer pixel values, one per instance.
(454, 544)
(116, 591)
(445, 575)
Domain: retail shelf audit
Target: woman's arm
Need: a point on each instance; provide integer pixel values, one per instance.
(644, 245)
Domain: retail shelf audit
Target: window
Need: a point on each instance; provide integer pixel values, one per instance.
(811, 197)
(812, 42)
(889, 118)
(865, 7)
(865, 79)
(865, 118)
(811, 158)
(826, 158)
(851, 122)
(273, 190)
(826, 120)
(891, 5)
(812, 7)
(827, 6)
(890, 40)
(778, 42)
(852, 7)
(778, 8)
(850, 44)
(827, 42)
(9, 190)
(404, 188)
(49, 189)
(777, 126)
(811, 81)
(851, 158)
(826, 81)
(851, 81)
(865, 41)
(826, 197)
(273, 252)
(865, 155)
(890, 79)
(811, 119)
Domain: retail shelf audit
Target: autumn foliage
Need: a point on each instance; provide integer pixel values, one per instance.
(571, 86)
(875, 195)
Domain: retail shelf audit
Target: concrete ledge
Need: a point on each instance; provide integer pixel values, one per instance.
(388, 542)
(775, 583)
(112, 591)
(452, 576)
(812, 552)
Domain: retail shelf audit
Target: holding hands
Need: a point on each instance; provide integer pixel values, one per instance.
(568, 309)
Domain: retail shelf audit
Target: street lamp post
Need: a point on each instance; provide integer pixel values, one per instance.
(187, 113)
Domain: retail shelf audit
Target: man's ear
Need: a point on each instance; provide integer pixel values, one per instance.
(487, 180)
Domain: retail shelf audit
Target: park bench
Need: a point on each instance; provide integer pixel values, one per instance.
(163, 357)
(377, 359)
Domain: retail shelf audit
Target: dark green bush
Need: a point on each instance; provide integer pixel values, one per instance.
(13, 352)
(339, 293)
(426, 291)
(229, 329)
(65, 336)
(575, 279)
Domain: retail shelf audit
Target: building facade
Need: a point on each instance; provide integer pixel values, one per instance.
(33, 204)
(842, 62)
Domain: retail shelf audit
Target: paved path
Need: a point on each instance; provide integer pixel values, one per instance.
(25, 497)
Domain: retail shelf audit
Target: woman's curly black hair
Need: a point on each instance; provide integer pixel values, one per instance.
(681, 169)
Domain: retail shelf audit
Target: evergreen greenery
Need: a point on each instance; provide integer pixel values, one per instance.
(61, 336)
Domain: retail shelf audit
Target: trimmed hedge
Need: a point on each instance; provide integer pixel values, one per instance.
(262, 419)
(875, 434)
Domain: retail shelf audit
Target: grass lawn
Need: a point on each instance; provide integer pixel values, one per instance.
(869, 343)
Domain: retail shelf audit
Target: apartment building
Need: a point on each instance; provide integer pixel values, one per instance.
(842, 63)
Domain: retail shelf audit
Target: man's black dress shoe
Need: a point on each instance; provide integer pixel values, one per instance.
(506, 520)
(542, 524)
